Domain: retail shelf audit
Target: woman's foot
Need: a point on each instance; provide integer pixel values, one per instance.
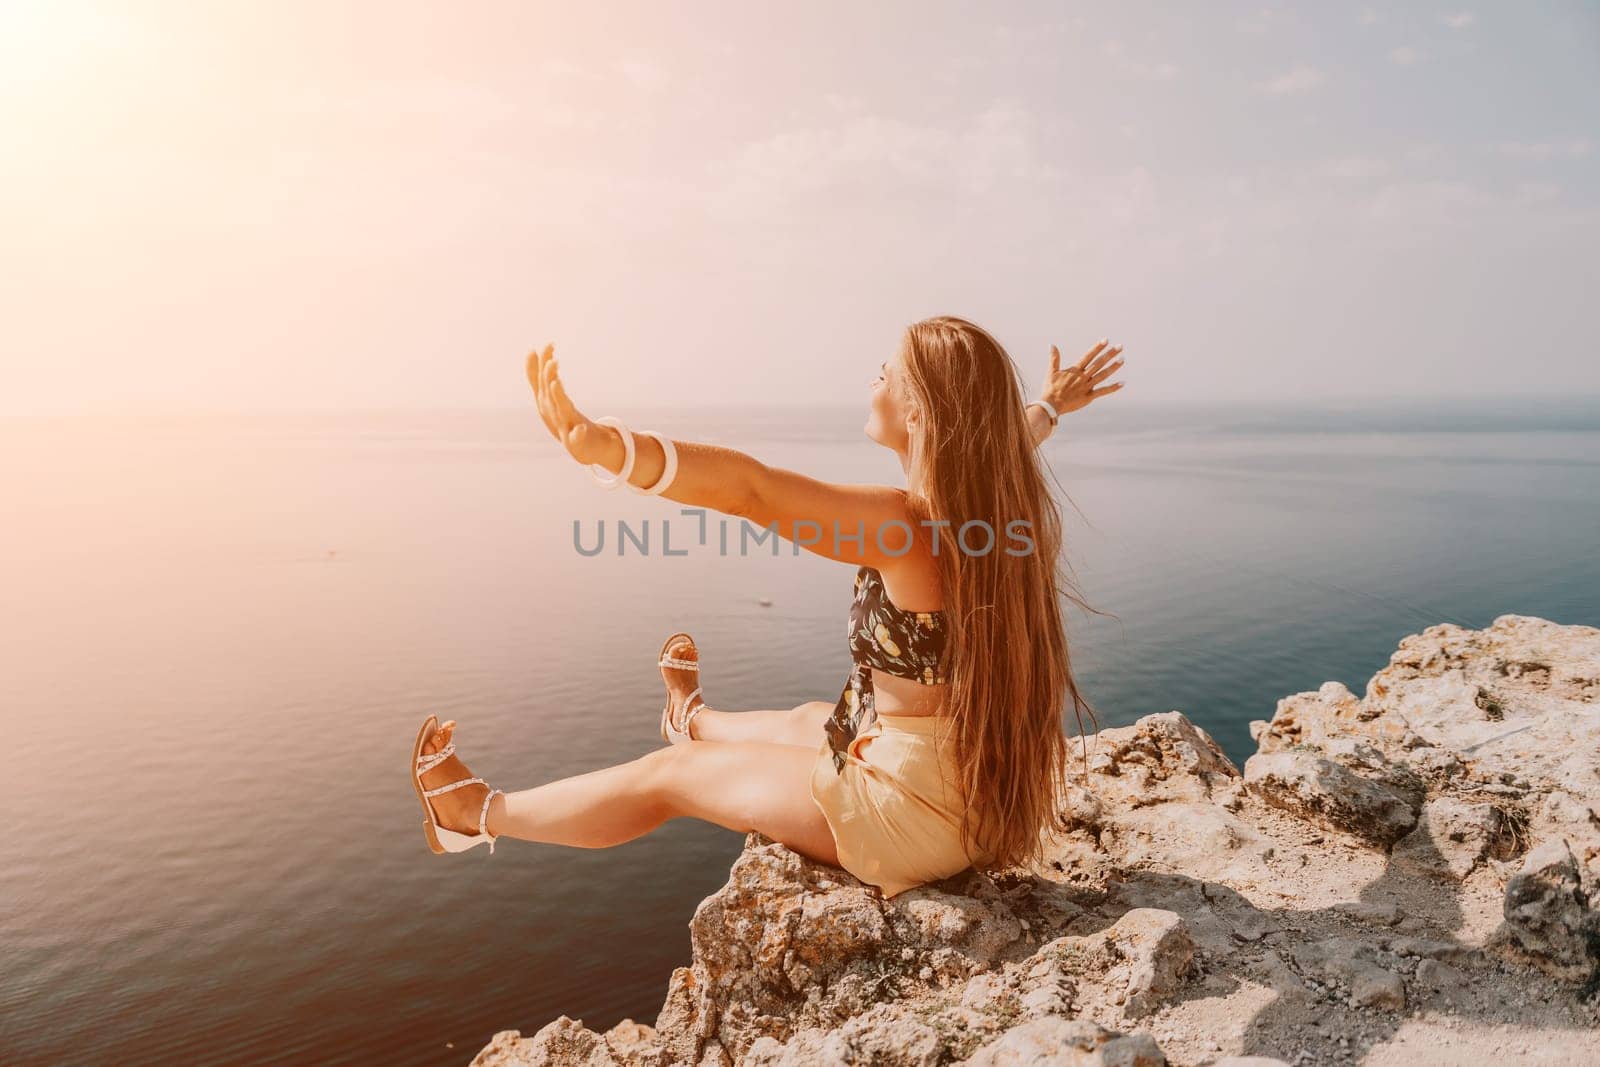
(683, 684)
(458, 809)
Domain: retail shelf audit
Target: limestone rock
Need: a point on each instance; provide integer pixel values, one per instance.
(1374, 914)
(1209, 905)
(1333, 794)
(564, 1041)
(1157, 951)
(1202, 840)
(1067, 1043)
(1159, 758)
(1440, 976)
(1450, 837)
(883, 1034)
(1352, 964)
(788, 944)
(568, 1041)
(1547, 911)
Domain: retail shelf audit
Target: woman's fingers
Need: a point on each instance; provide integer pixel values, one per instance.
(542, 396)
(568, 413)
(1055, 360)
(559, 420)
(1103, 371)
(552, 384)
(573, 424)
(537, 372)
(1087, 356)
(1103, 390)
(1100, 361)
(545, 416)
(532, 368)
(536, 362)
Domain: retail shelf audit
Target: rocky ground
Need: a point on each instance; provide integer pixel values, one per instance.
(1402, 878)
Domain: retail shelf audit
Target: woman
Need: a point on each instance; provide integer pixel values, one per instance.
(945, 749)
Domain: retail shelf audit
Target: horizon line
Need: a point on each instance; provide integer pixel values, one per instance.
(1481, 402)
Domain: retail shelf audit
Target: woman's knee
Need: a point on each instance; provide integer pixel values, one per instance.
(663, 773)
(741, 786)
(676, 779)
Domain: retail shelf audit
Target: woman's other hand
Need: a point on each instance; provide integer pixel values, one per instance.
(584, 440)
(1073, 388)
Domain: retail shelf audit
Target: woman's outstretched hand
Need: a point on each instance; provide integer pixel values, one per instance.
(1073, 388)
(584, 440)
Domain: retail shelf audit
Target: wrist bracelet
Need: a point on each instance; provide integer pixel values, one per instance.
(1055, 416)
(605, 477)
(668, 473)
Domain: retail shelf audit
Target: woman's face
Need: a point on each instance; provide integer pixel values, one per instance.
(889, 409)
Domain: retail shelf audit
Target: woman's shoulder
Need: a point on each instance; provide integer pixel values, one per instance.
(911, 581)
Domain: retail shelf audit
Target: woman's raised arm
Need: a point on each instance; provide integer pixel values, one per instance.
(857, 524)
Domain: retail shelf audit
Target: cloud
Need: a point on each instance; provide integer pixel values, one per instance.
(1429, 203)
(1356, 167)
(1298, 80)
(1576, 148)
(1459, 20)
(996, 148)
(1405, 55)
(1138, 68)
(1531, 194)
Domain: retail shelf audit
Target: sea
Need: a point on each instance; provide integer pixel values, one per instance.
(222, 630)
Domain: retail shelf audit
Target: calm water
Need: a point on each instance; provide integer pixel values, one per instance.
(223, 632)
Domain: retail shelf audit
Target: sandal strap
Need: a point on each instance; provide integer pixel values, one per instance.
(453, 786)
(483, 816)
(688, 722)
(681, 664)
(686, 702)
(429, 760)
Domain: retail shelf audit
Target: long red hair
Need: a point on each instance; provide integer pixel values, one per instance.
(1009, 667)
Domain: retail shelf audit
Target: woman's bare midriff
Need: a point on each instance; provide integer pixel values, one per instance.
(902, 696)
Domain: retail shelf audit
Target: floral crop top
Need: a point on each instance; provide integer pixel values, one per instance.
(906, 644)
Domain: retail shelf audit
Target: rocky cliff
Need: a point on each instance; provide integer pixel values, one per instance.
(1407, 877)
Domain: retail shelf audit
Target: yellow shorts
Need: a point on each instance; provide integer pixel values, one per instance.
(895, 810)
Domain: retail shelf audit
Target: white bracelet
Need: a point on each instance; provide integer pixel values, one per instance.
(1055, 416)
(605, 477)
(668, 473)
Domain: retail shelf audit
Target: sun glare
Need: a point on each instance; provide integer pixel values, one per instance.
(42, 42)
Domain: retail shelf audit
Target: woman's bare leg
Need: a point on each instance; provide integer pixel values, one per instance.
(742, 786)
(792, 726)
(796, 726)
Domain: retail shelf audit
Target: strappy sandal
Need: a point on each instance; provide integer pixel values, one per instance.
(669, 732)
(440, 838)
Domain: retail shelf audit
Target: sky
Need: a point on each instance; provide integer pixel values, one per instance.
(213, 207)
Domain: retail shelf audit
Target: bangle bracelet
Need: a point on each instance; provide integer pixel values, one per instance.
(668, 473)
(603, 476)
(1055, 416)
